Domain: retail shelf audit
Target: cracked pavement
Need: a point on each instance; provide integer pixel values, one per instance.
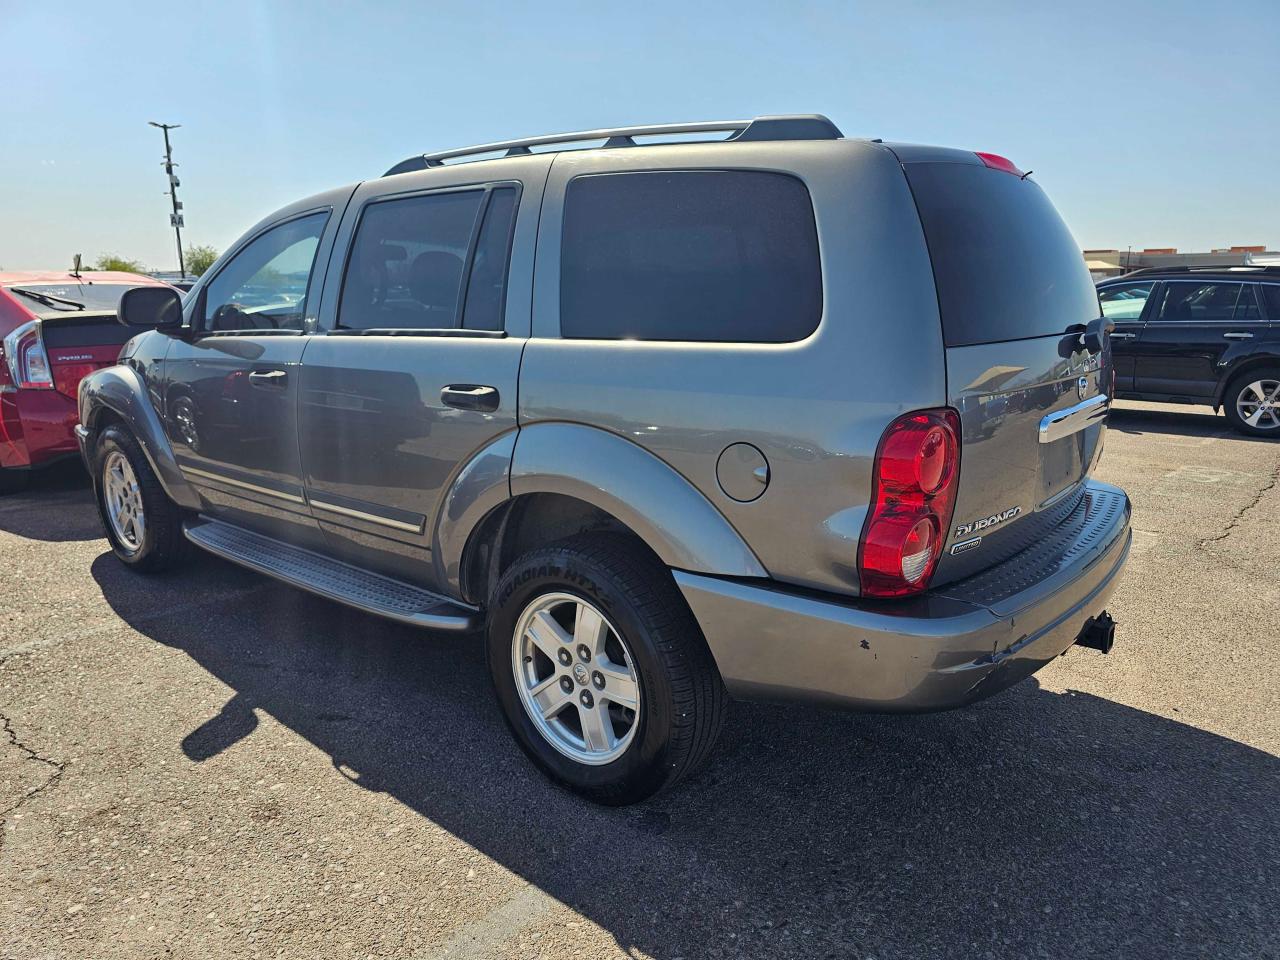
(209, 764)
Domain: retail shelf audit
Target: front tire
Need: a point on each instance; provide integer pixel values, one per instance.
(143, 526)
(601, 670)
(1252, 403)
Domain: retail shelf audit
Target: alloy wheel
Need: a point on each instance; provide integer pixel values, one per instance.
(1258, 404)
(122, 498)
(576, 678)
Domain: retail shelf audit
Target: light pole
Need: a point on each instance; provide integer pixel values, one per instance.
(175, 218)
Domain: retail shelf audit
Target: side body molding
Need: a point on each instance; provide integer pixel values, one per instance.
(121, 390)
(681, 525)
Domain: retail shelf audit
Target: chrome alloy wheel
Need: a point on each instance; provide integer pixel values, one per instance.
(576, 678)
(1258, 404)
(123, 500)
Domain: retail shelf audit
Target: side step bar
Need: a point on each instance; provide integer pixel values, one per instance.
(333, 579)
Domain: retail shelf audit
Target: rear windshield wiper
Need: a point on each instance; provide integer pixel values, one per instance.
(47, 299)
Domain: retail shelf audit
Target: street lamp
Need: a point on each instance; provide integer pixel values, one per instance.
(175, 218)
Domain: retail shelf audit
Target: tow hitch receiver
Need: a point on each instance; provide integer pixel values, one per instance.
(1099, 633)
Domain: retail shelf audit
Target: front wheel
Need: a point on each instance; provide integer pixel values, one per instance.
(601, 670)
(142, 524)
(1252, 403)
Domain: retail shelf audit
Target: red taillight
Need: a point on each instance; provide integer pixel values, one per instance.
(997, 162)
(916, 470)
(26, 358)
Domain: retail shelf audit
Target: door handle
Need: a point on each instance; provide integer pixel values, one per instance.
(1123, 336)
(1237, 336)
(268, 378)
(470, 396)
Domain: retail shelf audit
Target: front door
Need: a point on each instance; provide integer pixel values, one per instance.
(1126, 305)
(230, 387)
(414, 370)
(1198, 321)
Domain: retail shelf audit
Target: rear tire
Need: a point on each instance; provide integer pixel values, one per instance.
(1254, 395)
(143, 526)
(13, 481)
(651, 649)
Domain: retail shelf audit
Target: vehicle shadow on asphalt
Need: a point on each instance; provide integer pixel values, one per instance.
(1191, 422)
(56, 507)
(1036, 823)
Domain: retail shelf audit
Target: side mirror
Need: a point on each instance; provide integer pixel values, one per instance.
(1095, 331)
(159, 308)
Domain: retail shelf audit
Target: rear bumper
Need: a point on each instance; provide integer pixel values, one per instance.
(35, 428)
(945, 649)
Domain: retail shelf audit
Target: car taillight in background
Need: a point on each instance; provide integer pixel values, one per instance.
(26, 358)
(997, 162)
(916, 471)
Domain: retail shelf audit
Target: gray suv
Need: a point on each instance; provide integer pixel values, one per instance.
(780, 415)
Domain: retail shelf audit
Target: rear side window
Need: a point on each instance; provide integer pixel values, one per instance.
(1125, 302)
(1200, 302)
(414, 259)
(1005, 265)
(722, 256)
(1271, 294)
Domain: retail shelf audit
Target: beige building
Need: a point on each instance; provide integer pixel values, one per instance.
(1113, 263)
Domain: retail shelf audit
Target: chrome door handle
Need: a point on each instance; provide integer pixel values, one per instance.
(268, 378)
(1123, 336)
(470, 396)
(1237, 336)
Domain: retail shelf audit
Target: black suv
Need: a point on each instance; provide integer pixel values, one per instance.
(1208, 335)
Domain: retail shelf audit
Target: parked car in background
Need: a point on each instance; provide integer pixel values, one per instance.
(1204, 335)
(55, 328)
(787, 415)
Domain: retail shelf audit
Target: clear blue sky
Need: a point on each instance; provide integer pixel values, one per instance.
(1148, 123)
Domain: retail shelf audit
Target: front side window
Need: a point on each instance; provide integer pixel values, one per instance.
(1212, 302)
(718, 256)
(1125, 302)
(264, 286)
(413, 262)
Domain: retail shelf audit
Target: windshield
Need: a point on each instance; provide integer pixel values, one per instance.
(94, 296)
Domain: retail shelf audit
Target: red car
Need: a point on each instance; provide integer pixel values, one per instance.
(54, 329)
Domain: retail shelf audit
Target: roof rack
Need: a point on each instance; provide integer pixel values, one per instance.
(1264, 269)
(806, 126)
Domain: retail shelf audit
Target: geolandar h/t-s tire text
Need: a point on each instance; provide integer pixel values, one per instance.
(142, 524)
(601, 670)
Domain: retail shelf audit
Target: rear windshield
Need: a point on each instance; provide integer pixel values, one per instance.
(97, 297)
(1005, 265)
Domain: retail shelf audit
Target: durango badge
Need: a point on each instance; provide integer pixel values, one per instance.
(967, 528)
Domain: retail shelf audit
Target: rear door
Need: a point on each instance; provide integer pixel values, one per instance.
(415, 366)
(1128, 305)
(1196, 322)
(1014, 297)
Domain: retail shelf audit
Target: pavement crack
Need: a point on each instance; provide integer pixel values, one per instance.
(1239, 514)
(59, 767)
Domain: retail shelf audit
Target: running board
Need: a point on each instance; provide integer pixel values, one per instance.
(332, 579)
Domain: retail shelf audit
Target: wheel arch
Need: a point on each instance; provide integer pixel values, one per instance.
(1242, 366)
(563, 479)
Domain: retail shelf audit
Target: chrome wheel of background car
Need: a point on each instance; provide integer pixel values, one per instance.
(184, 418)
(1258, 404)
(123, 500)
(576, 678)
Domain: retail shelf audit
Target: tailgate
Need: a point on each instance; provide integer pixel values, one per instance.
(1014, 296)
(80, 344)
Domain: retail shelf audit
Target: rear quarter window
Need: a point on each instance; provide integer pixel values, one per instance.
(720, 256)
(1005, 265)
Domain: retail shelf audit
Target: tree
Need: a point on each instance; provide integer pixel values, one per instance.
(200, 258)
(109, 261)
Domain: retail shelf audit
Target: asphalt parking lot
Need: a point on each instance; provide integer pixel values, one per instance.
(212, 765)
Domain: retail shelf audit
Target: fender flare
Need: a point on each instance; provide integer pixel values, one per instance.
(121, 390)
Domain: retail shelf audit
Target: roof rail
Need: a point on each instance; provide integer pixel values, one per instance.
(806, 126)
(1264, 269)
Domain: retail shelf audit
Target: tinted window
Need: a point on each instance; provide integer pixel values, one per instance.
(1271, 294)
(1005, 265)
(406, 265)
(706, 255)
(1125, 302)
(1213, 302)
(1247, 310)
(486, 289)
(264, 286)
